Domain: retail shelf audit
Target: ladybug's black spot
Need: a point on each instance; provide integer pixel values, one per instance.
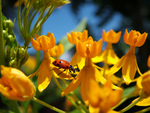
(59, 61)
(54, 62)
(58, 65)
(67, 67)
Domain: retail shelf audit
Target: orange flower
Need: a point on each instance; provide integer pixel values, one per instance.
(45, 70)
(111, 36)
(101, 99)
(56, 51)
(143, 84)
(43, 42)
(128, 62)
(75, 36)
(89, 48)
(15, 85)
(135, 38)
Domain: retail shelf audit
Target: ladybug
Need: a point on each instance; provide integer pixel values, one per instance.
(64, 65)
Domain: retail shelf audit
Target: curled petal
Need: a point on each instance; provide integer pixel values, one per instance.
(131, 38)
(81, 49)
(126, 36)
(52, 41)
(35, 44)
(84, 36)
(141, 40)
(111, 36)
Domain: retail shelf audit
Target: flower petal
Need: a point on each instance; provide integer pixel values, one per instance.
(73, 85)
(143, 102)
(77, 60)
(129, 69)
(35, 44)
(81, 49)
(44, 77)
(141, 40)
(117, 66)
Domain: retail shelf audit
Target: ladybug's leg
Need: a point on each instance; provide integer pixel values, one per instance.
(61, 72)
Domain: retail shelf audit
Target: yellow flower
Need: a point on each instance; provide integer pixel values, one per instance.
(85, 47)
(45, 70)
(108, 55)
(128, 62)
(56, 51)
(73, 38)
(111, 36)
(43, 42)
(101, 98)
(89, 48)
(143, 84)
(87, 73)
(113, 78)
(15, 85)
(148, 61)
(135, 38)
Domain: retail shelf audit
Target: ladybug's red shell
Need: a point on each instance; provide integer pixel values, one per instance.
(62, 64)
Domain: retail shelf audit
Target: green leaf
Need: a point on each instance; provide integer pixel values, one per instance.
(67, 45)
(128, 91)
(75, 111)
(5, 111)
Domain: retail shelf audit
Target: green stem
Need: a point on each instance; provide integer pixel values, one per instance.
(73, 103)
(26, 21)
(2, 56)
(35, 30)
(47, 105)
(75, 97)
(31, 18)
(13, 105)
(20, 18)
(38, 20)
(130, 105)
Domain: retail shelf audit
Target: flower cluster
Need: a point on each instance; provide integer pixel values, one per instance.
(101, 89)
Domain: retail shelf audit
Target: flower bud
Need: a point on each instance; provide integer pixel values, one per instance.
(15, 85)
(8, 24)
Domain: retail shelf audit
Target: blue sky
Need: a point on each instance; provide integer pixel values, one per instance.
(63, 20)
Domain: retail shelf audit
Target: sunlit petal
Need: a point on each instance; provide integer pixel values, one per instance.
(117, 66)
(73, 85)
(129, 69)
(44, 76)
(35, 44)
(143, 102)
(141, 40)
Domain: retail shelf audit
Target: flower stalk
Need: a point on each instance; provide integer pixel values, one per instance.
(2, 57)
(131, 105)
(47, 105)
